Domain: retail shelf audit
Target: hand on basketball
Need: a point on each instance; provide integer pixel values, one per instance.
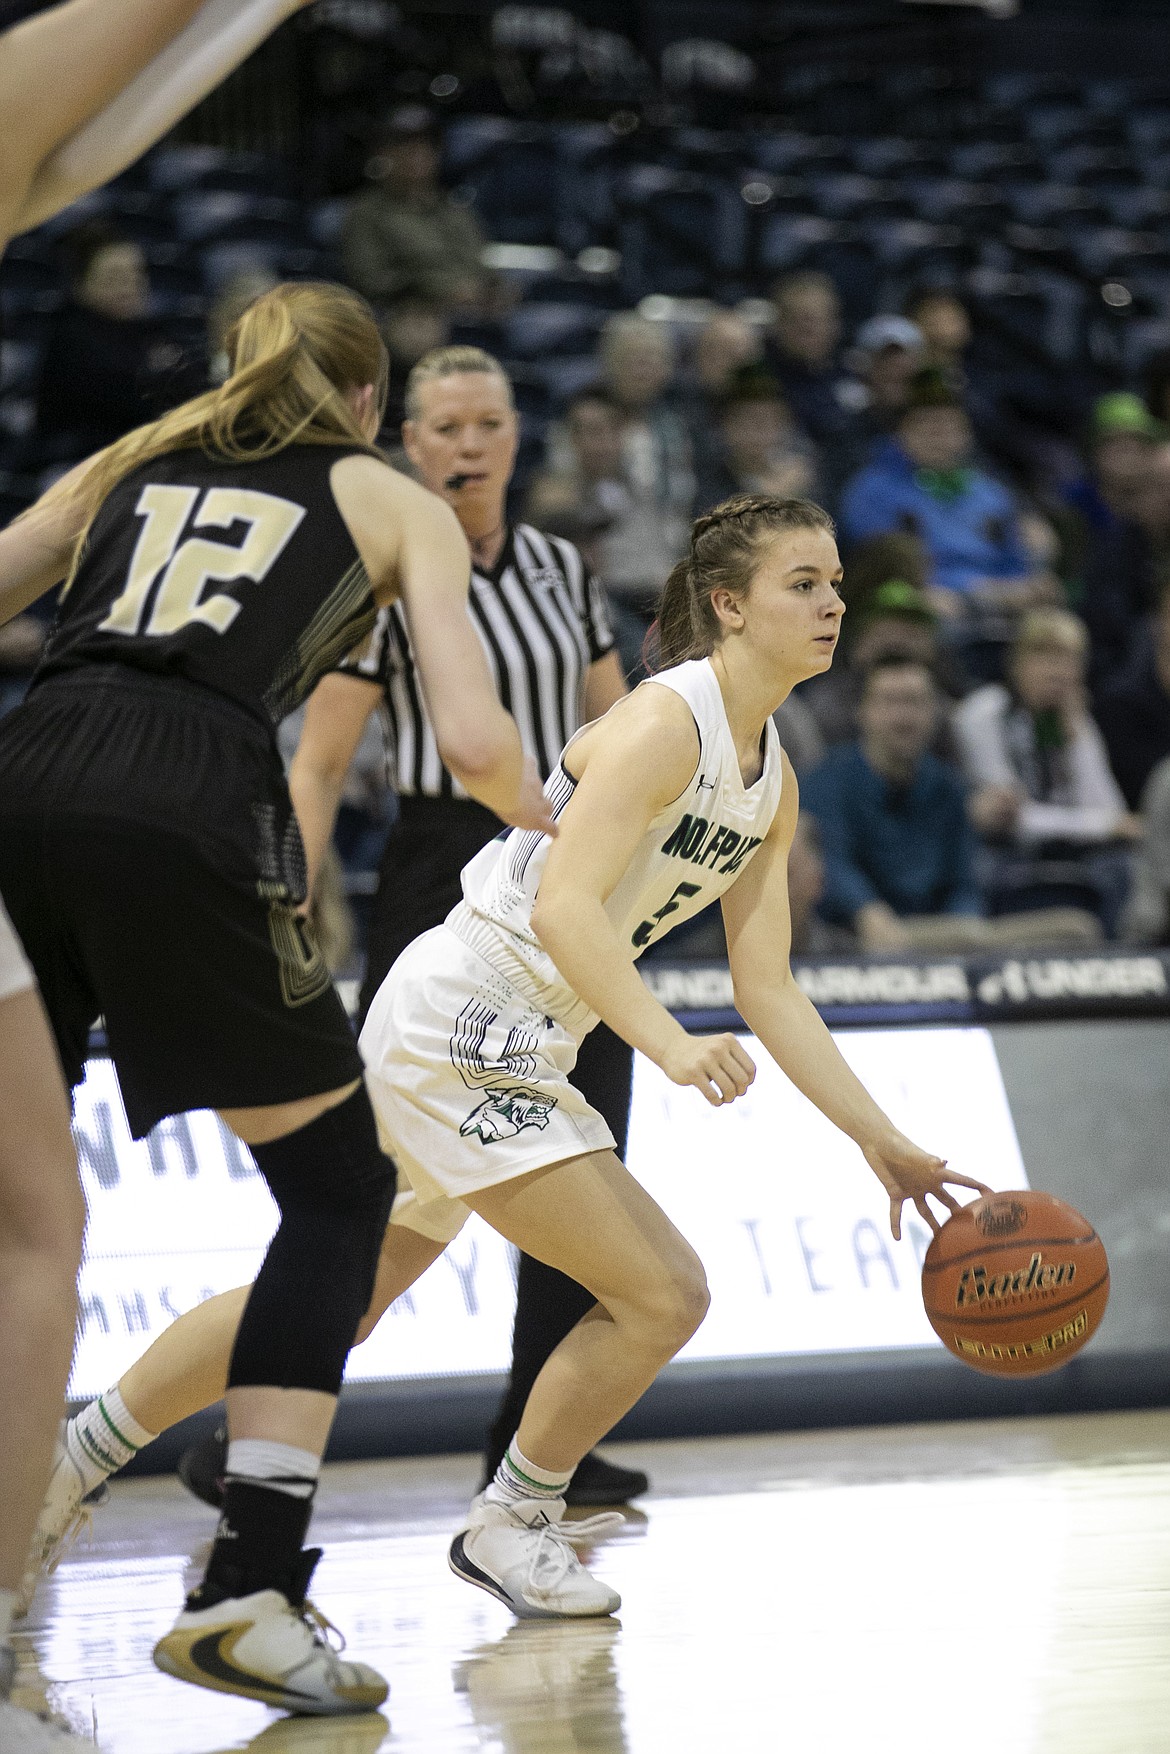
(531, 808)
(715, 1064)
(909, 1173)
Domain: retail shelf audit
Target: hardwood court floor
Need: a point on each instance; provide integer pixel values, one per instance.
(999, 1585)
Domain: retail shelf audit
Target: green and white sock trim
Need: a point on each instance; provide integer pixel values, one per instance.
(517, 1478)
(103, 1437)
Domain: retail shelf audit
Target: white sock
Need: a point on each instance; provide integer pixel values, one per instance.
(279, 1466)
(7, 1609)
(517, 1478)
(103, 1437)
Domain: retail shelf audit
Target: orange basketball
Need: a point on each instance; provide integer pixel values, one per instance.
(1015, 1283)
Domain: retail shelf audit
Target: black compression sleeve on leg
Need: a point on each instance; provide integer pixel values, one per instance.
(334, 1186)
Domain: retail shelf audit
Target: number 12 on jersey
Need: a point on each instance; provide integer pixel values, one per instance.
(182, 569)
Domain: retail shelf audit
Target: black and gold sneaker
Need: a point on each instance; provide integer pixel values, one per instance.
(268, 1647)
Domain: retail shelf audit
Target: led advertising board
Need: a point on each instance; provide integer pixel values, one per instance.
(790, 1222)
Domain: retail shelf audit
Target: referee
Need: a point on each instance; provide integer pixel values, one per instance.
(544, 626)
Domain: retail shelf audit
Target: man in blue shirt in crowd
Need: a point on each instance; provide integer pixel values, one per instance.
(899, 850)
(923, 480)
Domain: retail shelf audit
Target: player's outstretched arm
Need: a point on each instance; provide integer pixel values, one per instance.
(89, 86)
(629, 766)
(759, 939)
(413, 549)
(36, 549)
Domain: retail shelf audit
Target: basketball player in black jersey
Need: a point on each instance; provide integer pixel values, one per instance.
(545, 627)
(216, 564)
(85, 87)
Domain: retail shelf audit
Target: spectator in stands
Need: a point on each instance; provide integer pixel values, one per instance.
(894, 619)
(802, 350)
(1002, 432)
(412, 325)
(724, 345)
(1147, 914)
(1133, 710)
(645, 540)
(405, 233)
(231, 303)
(887, 351)
(1120, 444)
(589, 484)
(1043, 794)
(811, 935)
(1126, 571)
(758, 448)
(924, 480)
(899, 850)
(108, 364)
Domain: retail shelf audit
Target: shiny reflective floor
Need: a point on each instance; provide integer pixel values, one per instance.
(1002, 1585)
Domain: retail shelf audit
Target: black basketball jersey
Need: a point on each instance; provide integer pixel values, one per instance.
(241, 577)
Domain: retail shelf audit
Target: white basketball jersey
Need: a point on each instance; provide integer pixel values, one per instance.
(692, 851)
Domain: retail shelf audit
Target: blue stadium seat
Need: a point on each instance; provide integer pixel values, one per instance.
(981, 208)
(178, 170)
(508, 172)
(220, 216)
(564, 376)
(678, 233)
(1093, 166)
(540, 331)
(864, 199)
(890, 156)
(916, 251)
(799, 154)
(1062, 204)
(994, 161)
(324, 221)
(220, 262)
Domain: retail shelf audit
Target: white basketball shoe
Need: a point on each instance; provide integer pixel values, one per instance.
(263, 1647)
(524, 1555)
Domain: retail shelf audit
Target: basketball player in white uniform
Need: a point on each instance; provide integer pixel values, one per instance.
(679, 795)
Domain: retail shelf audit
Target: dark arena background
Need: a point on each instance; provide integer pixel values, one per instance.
(910, 259)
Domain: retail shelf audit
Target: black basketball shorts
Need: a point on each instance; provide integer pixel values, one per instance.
(151, 862)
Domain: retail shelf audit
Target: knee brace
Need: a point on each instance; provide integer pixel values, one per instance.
(334, 1187)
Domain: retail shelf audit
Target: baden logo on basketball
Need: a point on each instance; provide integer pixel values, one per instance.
(977, 1285)
(505, 1113)
(1001, 1218)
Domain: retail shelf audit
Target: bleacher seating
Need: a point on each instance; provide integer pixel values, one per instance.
(1027, 192)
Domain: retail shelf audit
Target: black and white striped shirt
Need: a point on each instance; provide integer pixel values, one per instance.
(542, 620)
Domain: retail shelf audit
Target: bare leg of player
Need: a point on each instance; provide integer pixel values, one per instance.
(88, 86)
(186, 1368)
(591, 1219)
(42, 1216)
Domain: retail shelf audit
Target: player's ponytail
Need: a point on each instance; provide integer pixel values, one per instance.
(726, 548)
(294, 354)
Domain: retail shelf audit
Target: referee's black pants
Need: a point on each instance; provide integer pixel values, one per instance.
(418, 885)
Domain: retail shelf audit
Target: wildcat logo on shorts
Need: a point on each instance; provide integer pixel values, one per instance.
(506, 1113)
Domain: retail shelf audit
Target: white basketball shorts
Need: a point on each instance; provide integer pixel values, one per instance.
(469, 1081)
(15, 974)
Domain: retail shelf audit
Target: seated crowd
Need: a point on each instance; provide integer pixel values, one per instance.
(989, 760)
